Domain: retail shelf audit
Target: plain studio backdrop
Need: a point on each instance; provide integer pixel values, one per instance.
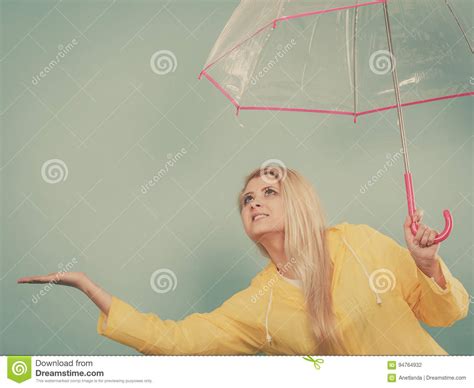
(107, 122)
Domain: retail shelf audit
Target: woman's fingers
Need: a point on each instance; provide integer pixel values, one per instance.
(38, 279)
(72, 279)
(419, 234)
(31, 279)
(418, 215)
(425, 237)
(431, 237)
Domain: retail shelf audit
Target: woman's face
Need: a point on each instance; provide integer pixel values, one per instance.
(262, 208)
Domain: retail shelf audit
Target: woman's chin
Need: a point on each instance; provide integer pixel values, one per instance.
(259, 232)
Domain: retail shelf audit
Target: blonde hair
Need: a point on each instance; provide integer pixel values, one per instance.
(305, 228)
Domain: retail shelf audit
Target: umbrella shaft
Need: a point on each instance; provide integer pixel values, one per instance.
(396, 88)
(354, 62)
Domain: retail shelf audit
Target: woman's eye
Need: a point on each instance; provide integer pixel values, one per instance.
(246, 199)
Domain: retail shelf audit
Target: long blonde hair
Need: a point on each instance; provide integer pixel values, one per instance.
(305, 241)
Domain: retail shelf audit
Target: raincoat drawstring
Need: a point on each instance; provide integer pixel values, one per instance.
(378, 298)
(269, 337)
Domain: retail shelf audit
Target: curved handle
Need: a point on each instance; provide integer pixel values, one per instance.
(448, 226)
(448, 219)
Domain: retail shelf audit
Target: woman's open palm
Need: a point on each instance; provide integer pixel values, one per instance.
(72, 279)
(78, 280)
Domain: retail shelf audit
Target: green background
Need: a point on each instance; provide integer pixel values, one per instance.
(115, 123)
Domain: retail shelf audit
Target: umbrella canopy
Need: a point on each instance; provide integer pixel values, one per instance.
(345, 57)
(332, 56)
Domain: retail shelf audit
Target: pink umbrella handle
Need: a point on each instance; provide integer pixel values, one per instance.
(448, 219)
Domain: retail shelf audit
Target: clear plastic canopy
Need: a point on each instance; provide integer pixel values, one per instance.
(332, 56)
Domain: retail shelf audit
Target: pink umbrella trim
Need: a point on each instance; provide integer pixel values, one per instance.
(336, 112)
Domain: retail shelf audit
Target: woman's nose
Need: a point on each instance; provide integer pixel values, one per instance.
(255, 204)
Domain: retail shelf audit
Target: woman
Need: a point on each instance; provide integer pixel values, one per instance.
(346, 289)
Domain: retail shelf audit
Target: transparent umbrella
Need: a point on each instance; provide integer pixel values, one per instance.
(345, 57)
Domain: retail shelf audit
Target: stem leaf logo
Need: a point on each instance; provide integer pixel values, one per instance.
(19, 368)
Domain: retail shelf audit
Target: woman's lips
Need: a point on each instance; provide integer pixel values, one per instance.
(259, 217)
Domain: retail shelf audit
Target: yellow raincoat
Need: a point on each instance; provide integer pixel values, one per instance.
(379, 297)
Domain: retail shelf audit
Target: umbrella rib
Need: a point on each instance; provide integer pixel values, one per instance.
(460, 26)
(309, 51)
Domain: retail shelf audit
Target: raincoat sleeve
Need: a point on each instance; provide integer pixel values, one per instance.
(229, 329)
(429, 302)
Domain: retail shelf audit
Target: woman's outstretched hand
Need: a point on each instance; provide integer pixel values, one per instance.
(79, 280)
(422, 248)
(72, 279)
